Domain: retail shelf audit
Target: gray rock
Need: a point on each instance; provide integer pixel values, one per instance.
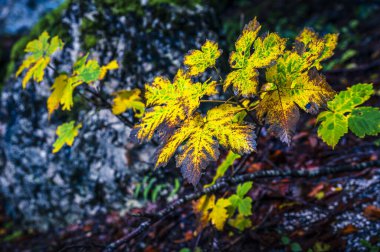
(94, 176)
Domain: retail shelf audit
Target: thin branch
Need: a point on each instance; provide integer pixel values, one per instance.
(108, 105)
(218, 101)
(52, 68)
(227, 182)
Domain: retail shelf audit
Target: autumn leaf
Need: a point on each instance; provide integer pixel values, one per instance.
(58, 90)
(128, 99)
(199, 60)
(244, 77)
(296, 85)
(344, 114)
(38, 57)
(202, 137)
(218, 215)
(203, 206)
(62, 93)
(84, 71)
(66, 134)
(372, 212)
(313, 49)
(170, 103)
(110, 66)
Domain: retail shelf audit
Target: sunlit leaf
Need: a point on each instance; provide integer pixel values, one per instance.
(202, 137)
(344, 114)
(244, 77)
(218, 215)
(333, 127)
(38, 57)
(170, 103)
(128, 99)
(203, 206)
(199, 60)
(110, 66)
(365, 121)
(222, 168)
(243, 189)
(293, 89)
(66, 134)
(58, 89)
(239, 201)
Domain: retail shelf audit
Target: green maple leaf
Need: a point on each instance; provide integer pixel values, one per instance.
(66, 134)
(344, 114)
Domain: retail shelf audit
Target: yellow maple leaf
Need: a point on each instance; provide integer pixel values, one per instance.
(244, 77)
(38, 58)
(67, 95)
(170, 103)
(202, 207)
(314, 49)
(84, 71)
(128, 99)
(110, 66)
(218, 215)
(294, 82)
(66, 134)
(199, 60)
(58, 89)
(202, 137)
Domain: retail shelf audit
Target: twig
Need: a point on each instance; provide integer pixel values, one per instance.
(107, 105)
(226, 182)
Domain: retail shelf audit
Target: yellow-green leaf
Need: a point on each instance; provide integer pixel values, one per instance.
(38, 57)
(202, 137)
(344, 114)
(88, 72)
(218, 215)
(66, 134)
(354, 96)
(110, 66)
(37, 71)
(222, 168)
(58, 89)
(128, 99)
(293, 89)
(244, 77)
(365, 121)
(170, 103)
(200, 149)
(240, 222)
(313, 49)
(67, 95)
(199, 60)
(203, 206)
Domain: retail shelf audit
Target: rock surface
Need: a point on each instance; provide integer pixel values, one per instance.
(96, 174)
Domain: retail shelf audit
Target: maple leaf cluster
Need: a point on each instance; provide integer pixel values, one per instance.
(291, 82)
(269, 82)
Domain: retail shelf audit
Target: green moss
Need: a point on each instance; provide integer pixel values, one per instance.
(89, 41)
(124, 7)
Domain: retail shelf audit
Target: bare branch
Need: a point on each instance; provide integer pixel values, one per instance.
(226, 182)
